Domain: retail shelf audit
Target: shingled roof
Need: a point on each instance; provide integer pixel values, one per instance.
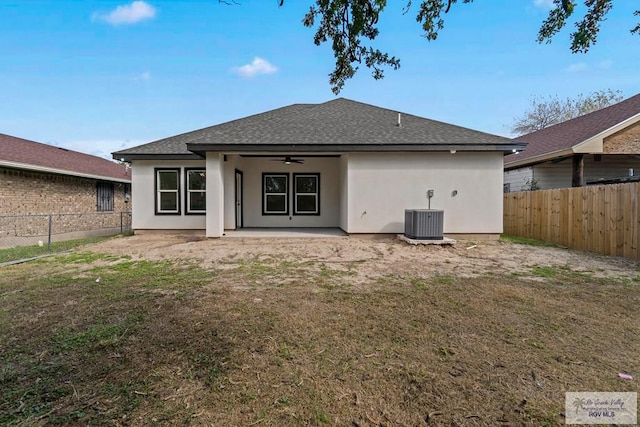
(554, 141)
(339, 125)
(24, 154)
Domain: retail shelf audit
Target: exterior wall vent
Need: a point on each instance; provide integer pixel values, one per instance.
(424, 224)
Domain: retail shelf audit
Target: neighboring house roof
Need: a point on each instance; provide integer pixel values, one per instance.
(340, 125)
(565, 138)
(30, 155)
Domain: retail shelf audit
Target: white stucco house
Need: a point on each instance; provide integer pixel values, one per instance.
(341, 164)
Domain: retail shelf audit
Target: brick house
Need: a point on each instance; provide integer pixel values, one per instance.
(599, 147)
(39, 179)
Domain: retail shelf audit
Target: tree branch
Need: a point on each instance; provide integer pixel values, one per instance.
(351, 25)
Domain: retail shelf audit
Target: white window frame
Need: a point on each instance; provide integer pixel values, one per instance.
(159, 191)
(190, 192)
(296, 193)
(265, 195)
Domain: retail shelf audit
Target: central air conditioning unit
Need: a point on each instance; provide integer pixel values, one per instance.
(424, 224)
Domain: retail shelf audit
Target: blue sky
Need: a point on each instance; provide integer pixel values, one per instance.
(99, 76)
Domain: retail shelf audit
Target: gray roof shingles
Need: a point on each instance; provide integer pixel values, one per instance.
(31, 153)
(566, 135)
(336, 123)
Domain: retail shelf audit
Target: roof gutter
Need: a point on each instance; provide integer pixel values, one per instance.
(344, 148)
(36, 168)
(528, 161)
(129, 157)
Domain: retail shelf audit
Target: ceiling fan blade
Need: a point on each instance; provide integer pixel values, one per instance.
(287, 160)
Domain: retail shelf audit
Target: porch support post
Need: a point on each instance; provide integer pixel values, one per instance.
(577, 178)
(215, 195)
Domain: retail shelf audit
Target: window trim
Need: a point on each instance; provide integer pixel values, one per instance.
(264, 193)
(187, 192)
(317, 194)
(111, 199)
(156, 172)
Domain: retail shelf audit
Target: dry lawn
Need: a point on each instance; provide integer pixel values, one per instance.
(172, 330)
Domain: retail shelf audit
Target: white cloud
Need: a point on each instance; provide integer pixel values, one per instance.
(132, 13)
(257, 66)
(144, 77)
(544, 4)
(576, 68)
(606, 64)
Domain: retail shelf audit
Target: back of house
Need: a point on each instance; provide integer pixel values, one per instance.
(339, 164)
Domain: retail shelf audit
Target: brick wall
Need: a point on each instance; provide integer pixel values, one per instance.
(31, 201)
(25, 192)
(627, 141)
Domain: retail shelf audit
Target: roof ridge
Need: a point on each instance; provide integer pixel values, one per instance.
(21, 151)
(570, 133)
(434, 121)
(184, 134)
(596, 113)
(43, 144)
(332, 125)
(50, 146)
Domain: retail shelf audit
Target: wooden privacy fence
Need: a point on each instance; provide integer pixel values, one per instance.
(603, 218)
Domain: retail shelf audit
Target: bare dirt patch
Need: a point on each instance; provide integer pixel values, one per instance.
(374, 257)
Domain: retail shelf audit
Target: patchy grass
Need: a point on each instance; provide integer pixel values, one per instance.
(560, 274)
(526, 241)
(23, 252)
(272, 342)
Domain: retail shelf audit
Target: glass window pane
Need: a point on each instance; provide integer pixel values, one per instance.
(168, 201)
(168, 180)
(275, 184)
(276, 203)
(306, 184)
(306, 203)
(197, 180)
(197, 201)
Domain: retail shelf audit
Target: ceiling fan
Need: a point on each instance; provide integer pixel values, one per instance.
(287, 160)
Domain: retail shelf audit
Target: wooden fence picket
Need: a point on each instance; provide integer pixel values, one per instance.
(603, 219)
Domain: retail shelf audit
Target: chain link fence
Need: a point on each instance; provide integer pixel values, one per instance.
(42, 229)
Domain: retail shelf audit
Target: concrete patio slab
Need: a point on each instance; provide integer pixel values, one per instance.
(444, 241)
(284, 232)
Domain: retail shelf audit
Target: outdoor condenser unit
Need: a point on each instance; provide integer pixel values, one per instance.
(424, 224)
